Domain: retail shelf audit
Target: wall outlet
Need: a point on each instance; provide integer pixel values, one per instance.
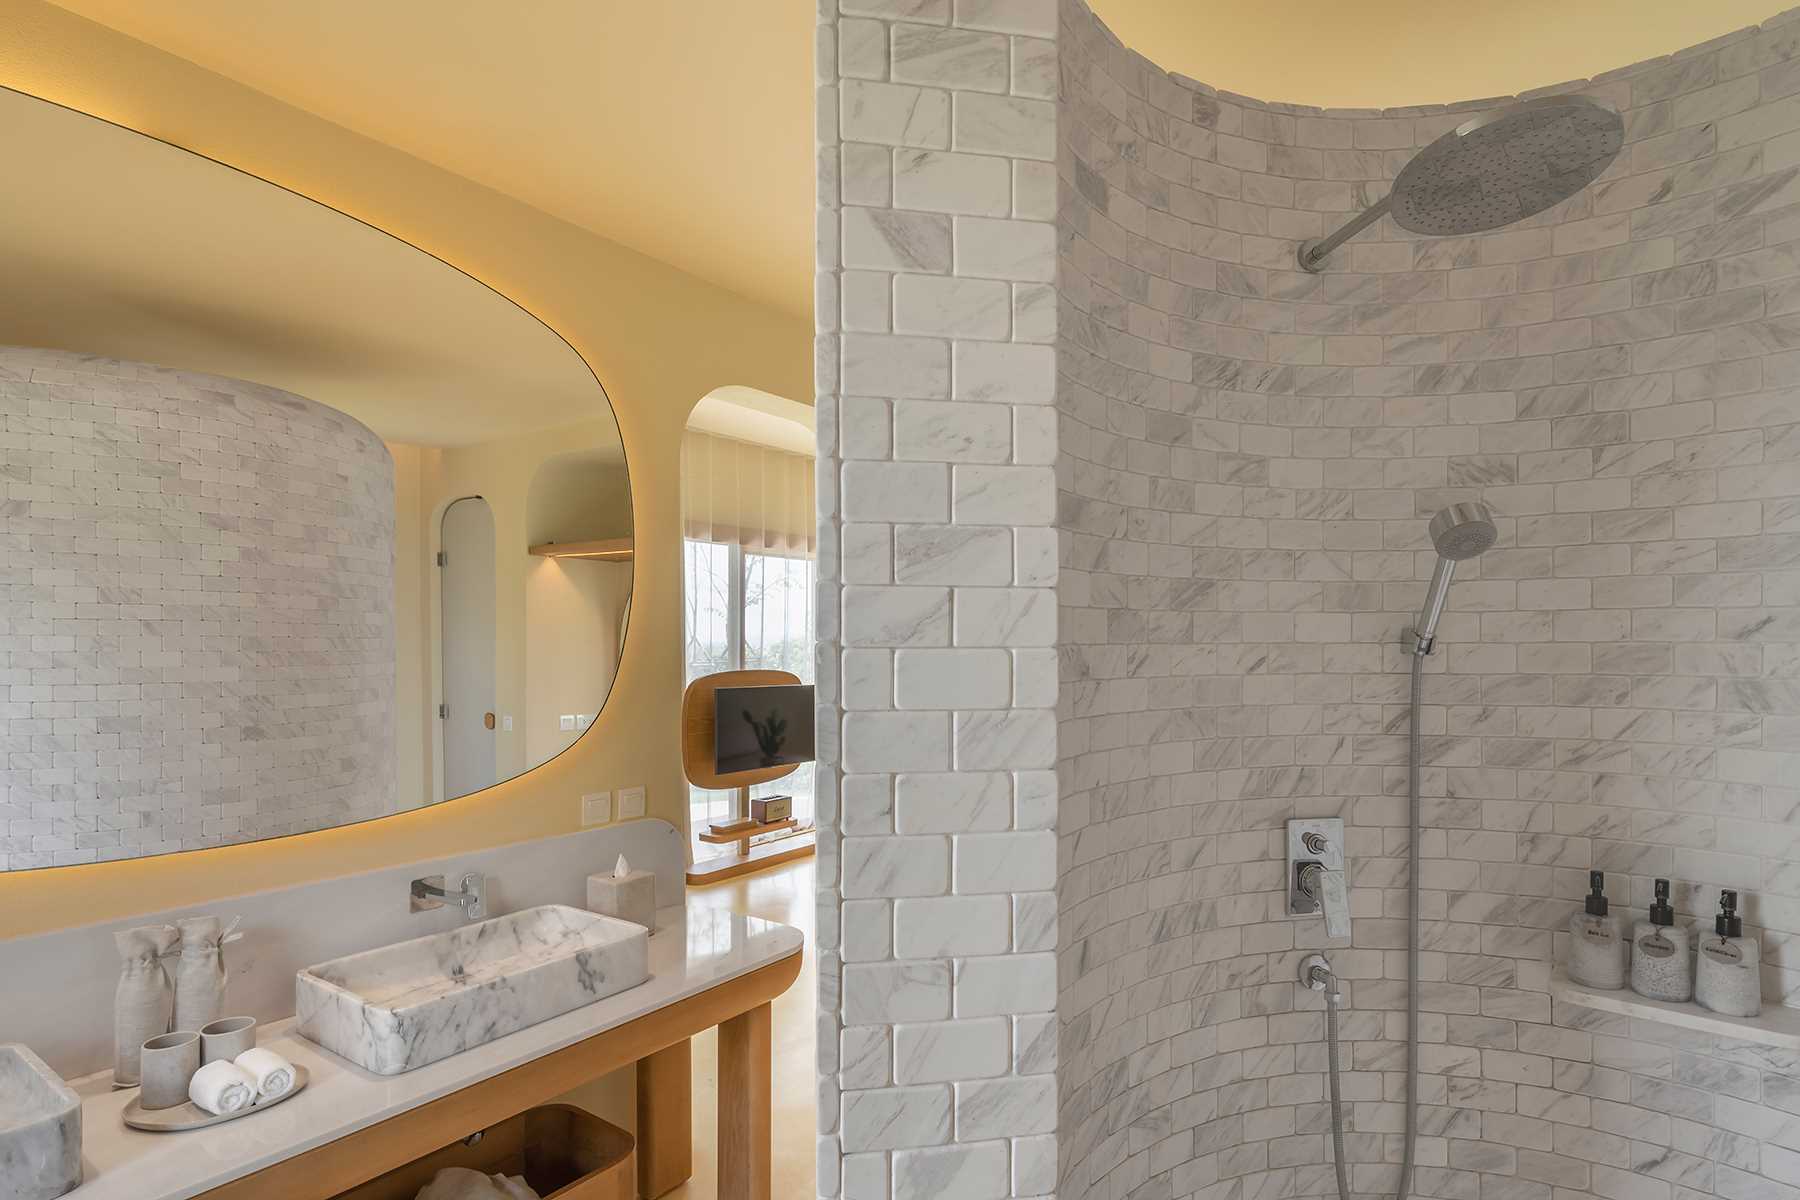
(566, 722)
(631, 803)
(596, 808)
(506, 723)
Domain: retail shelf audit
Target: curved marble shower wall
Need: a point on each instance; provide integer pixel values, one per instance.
(223, 553)
(1248, 456)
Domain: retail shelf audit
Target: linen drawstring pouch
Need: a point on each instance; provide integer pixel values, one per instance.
(200, 971)
(144, 999)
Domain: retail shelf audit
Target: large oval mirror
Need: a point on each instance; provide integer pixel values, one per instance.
(299, 525)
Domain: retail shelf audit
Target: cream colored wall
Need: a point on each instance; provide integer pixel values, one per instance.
(413, 728)
(572, 612)
(575, 498)
(503, 473)
(1388, 53)
(659, 340)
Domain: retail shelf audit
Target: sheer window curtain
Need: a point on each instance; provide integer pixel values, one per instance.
(750, 538)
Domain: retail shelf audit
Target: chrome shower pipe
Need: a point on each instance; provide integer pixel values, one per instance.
(1314, 250)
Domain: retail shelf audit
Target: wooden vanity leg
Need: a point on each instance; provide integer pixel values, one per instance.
(744, 1155)
(665, 1120)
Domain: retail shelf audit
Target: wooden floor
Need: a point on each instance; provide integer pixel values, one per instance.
(782, 893)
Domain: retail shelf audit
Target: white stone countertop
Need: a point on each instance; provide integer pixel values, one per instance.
(689, 953)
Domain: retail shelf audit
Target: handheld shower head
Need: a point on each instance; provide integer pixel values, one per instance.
(1459, 533)
(1462, 531)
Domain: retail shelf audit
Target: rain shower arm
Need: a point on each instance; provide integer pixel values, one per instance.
(1313, 252)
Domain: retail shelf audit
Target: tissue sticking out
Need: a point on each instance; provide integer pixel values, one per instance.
(621, 868)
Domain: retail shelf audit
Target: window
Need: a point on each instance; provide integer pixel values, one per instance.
(747, 611)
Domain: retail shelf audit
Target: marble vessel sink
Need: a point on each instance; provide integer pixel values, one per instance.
(400, 1007)
(40, 1129)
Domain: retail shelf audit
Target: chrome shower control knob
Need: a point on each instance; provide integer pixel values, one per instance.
(1314, 842)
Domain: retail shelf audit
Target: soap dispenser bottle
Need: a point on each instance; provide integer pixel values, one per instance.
(1729, 979)
(1597, 947)
(1662, 964)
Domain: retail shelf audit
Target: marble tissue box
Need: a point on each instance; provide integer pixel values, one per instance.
(40, 1129)
(626, 894)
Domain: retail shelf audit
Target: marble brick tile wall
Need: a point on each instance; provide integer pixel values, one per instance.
(937, 566)
(1248, 455)
(196, 612)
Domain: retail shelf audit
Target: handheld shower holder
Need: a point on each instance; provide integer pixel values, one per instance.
(1317, 975)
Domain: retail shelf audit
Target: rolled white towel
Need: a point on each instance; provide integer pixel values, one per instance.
(270, 1074)
(221, 1087)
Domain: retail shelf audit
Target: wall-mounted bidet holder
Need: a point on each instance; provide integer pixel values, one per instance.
(1315, 873)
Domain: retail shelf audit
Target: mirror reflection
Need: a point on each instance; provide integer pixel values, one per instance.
(299, 525)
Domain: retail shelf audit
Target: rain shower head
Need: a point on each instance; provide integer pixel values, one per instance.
(1458, 533)
(1493, 170)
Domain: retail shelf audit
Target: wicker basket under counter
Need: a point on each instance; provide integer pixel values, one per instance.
(563, 1152)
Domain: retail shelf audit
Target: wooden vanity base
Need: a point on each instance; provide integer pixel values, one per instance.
(740, 1007)
(744, 1082)
(665, 1120)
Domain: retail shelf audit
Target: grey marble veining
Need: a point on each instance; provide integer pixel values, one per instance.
(40, 1129)
(400, 1007)
(66, 1016)
(693, 950)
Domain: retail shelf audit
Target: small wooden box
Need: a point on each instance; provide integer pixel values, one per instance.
(765, 809)
(563, 1152)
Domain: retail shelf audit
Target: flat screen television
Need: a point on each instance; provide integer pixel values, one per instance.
(757, 727)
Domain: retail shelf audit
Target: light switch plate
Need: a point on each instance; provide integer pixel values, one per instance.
(631, 803)
(596, 808)
(506, 723)
(566, 722)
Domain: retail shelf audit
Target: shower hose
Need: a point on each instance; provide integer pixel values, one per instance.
(1333, 998)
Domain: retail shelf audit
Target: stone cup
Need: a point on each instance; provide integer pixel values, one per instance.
(227, 1038)
(170, 1060)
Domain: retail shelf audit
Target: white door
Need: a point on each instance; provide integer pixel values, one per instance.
(468, 714)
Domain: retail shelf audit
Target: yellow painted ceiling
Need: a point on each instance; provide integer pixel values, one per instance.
(683, 128)
(203, 268)
(1386, 53)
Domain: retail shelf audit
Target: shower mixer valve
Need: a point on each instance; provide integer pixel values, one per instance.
(1315, 872)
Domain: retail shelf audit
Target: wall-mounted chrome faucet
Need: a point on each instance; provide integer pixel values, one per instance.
(1315, 859)
(429, 893)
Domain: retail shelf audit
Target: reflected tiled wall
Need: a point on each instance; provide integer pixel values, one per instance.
(1248, 456)
(196, 612)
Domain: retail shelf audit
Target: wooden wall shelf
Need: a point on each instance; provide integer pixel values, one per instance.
(604, 550)
(747, 831)
(766, 854)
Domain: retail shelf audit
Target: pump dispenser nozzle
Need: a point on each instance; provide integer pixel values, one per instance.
(1596, 901)
(1728, 924)
(1661, 913)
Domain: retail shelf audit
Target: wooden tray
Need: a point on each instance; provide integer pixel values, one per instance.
(192, 1116)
